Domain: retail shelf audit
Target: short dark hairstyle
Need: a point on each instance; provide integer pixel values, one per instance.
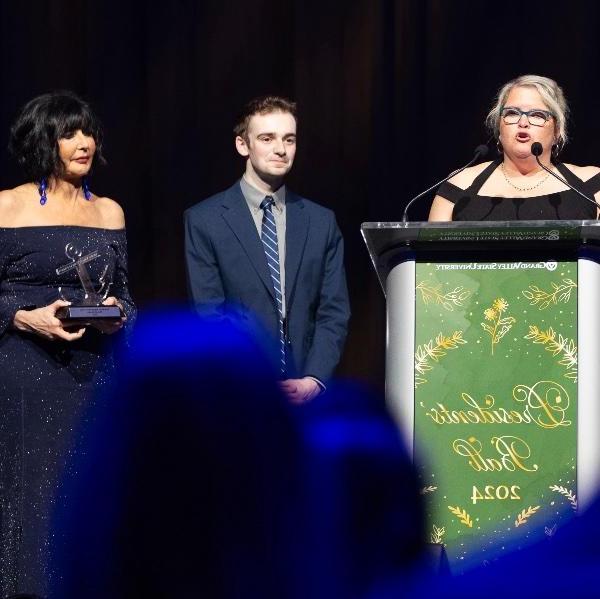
(263, 105)
(42, 122)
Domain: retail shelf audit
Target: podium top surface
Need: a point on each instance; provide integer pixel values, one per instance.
(390, 242)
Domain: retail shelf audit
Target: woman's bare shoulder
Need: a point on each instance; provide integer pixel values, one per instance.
(112, 213)
(7, 198)
(17, 193)
(466, 177)
(12, 202)
(583, 172)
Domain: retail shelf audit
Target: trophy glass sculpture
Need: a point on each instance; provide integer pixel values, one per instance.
(86, 306)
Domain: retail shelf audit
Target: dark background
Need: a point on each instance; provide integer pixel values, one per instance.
(392, 96)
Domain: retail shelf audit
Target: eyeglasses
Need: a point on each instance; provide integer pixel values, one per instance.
(511, 115)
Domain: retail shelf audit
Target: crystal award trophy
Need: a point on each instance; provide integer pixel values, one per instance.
(86, 304)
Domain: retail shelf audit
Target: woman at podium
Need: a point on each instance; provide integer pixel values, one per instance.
(59, 244)
(528, 110)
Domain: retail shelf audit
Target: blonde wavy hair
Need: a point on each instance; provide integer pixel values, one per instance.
(552, 95)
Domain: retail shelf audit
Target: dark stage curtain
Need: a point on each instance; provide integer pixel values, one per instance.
(392, 96)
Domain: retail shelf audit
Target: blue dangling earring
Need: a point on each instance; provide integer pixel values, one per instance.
(42, 189)
(87, 194)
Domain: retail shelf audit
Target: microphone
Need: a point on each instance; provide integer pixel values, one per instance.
(537, 150)
(480, 152)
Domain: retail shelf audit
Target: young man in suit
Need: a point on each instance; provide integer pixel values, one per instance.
(260, 247)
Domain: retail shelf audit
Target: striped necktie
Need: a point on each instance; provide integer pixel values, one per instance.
(268, 236)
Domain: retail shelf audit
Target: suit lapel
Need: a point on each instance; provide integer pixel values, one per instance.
(297, 223)
(239, 219)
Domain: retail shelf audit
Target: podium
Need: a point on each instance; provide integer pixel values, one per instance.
(493, 374)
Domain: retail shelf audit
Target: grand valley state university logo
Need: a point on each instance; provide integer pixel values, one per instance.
(548, 265)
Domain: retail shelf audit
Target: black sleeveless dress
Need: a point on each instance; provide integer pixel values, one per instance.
(563, 205)
(46, 388)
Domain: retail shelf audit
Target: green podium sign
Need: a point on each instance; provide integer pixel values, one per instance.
(495, 402)
(492, 374)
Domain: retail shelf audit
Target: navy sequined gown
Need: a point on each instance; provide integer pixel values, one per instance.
(46, 388)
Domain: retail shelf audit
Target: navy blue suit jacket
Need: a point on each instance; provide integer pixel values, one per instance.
(226, 264)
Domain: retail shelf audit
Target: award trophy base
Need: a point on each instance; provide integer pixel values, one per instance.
(89, 309)
(88, 314)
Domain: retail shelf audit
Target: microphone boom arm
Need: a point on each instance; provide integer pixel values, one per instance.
(480, 152)
(563, 180)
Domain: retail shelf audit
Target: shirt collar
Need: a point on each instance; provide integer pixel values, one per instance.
(255, 196)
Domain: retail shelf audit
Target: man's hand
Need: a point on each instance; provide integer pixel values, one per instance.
(300, 390)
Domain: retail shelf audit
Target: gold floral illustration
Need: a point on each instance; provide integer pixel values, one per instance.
(542, 299)
(429, 489)
(524, 515)
(557, 344)
(437, 536)
(566, 493)
(462, 516)
(434, 350)
(448, 300)
(550, 531)
(499, 325)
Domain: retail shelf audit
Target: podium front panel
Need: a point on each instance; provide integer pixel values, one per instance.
(483, 374)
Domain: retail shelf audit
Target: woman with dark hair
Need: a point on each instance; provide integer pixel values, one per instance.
(50, 368)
